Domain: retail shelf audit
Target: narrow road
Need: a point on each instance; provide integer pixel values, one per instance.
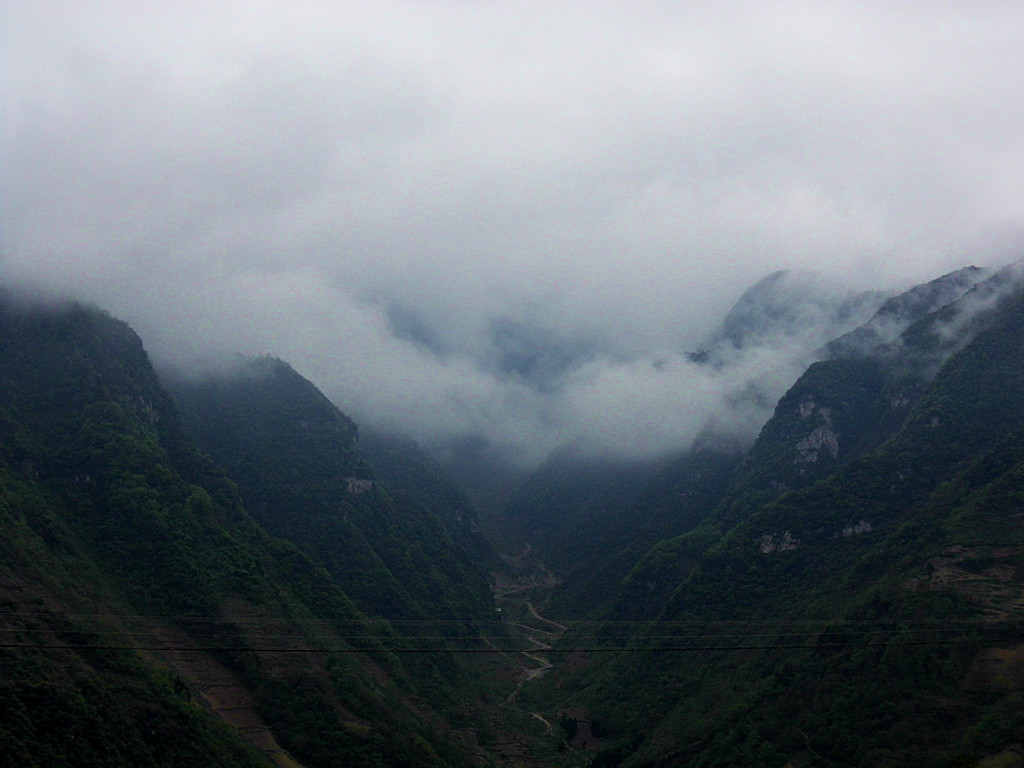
(526, 579)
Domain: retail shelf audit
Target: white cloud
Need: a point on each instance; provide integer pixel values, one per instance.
(292, 177)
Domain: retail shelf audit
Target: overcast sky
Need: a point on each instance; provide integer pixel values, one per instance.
(404, 199)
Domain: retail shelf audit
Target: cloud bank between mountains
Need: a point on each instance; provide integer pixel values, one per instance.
(508, 220)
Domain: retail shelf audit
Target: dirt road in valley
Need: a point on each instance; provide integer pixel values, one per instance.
(514, 591)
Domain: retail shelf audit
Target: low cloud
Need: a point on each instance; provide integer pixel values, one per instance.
(501, 220)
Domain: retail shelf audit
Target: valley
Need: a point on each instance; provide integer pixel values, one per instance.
(511, 385)
(521, 580)
(311, 595)
(529, 580)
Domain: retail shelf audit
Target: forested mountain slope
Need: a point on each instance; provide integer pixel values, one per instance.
(408, 553)
(142, 606)
(871, 378)
(593, 518)
(238, 578)
(871, 617)
(416, 482)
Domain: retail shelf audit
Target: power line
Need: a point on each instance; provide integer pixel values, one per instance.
(142, 633)
(255, 648)
(594, 649)
(479, 622)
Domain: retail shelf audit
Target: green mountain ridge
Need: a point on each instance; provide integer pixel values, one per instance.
(870, 614)
(593, 518)
(299, 470)
(148, 620)
(223, 571)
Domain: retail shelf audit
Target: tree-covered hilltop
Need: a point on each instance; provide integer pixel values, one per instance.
(864, 612)
(147, 619)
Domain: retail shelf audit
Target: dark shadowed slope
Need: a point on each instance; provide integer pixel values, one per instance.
(140, 599)
(408, 554)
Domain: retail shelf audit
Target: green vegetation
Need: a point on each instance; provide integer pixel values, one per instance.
(859, 611)
(134, 580)
(294, 457)
(238, 578)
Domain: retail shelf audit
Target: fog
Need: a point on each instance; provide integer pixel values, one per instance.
(509, 220)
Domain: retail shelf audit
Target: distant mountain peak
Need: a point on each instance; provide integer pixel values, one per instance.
(899, 312)
(793, 306)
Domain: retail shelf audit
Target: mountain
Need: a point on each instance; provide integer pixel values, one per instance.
(404, 550)
(575, 505)
(793, 307)
(147, 618)
(416, 481)
(864, 613)
(899, 312)
(577, 509)
(233, 574)
(860, 394)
